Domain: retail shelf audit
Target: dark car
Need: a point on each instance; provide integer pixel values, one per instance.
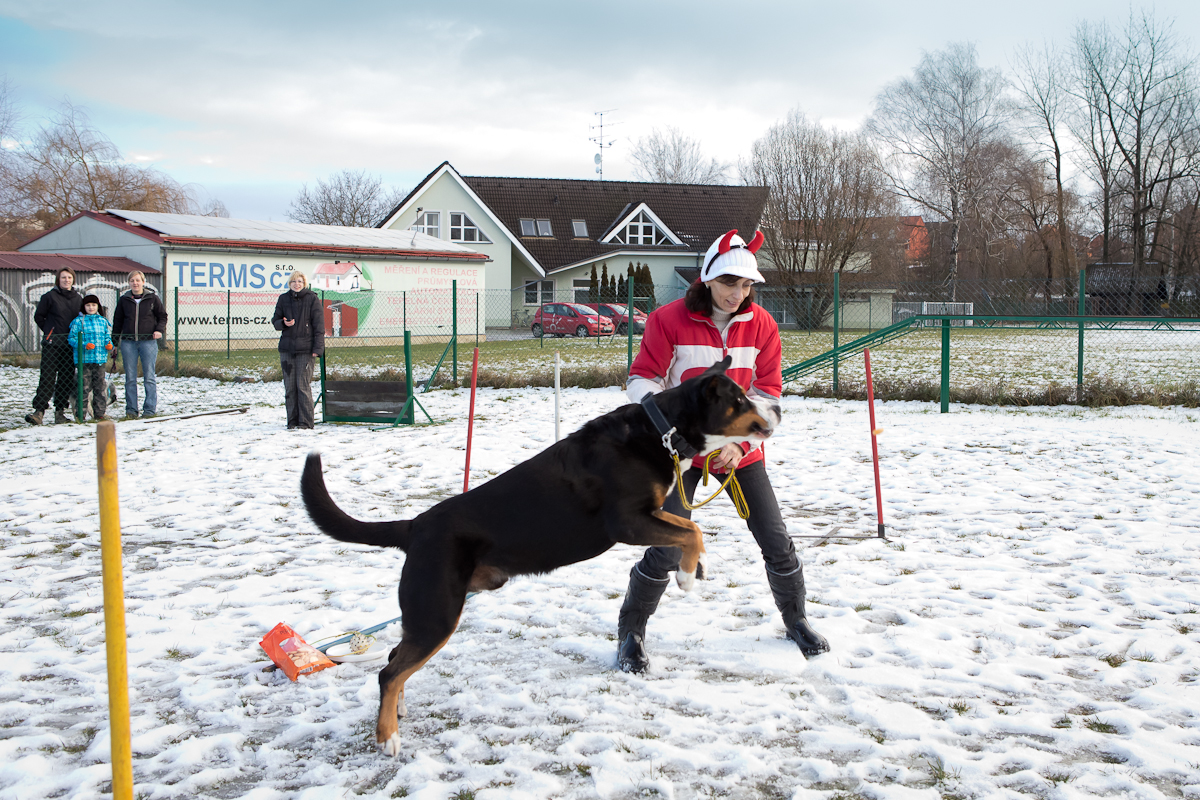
(620, 316)
(561, 319)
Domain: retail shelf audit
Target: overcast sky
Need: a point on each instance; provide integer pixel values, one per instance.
(252, 99)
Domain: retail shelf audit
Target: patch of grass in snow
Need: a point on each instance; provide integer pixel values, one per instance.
(1183, 627)
(1062, 722)
(1113, 659)
(863, 607)
(962, 707)
(1099, 726)
(1145, 657)
(1055, 777)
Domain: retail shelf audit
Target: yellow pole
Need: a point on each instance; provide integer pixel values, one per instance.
(114, 612)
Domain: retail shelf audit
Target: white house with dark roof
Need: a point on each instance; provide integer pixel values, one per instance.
(544, 235)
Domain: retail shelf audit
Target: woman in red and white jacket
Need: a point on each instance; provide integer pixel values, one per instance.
(716, 318)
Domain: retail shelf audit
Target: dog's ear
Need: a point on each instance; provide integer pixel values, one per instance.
(718, 368)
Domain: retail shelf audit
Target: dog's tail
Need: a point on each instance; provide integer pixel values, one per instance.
(337, 523)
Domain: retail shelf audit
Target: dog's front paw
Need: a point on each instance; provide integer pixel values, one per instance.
(392, 746)
(686, 580)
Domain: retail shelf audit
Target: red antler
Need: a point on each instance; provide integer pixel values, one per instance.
(723, 247)
(756, 242)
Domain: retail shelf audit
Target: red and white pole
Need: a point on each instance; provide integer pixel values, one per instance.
(471, 420)
(874, 441)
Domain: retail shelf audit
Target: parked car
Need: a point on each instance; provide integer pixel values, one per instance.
(561, 319)
(620, 316)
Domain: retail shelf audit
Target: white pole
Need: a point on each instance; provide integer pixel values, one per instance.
(557, 361)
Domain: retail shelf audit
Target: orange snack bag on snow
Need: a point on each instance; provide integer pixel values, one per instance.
(292, 654)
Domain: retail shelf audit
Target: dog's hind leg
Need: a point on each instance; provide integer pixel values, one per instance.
(431, 602)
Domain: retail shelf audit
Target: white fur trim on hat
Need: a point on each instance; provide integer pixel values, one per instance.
(730, 255)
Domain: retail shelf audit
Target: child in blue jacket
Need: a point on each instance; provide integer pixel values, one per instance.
(94, 331)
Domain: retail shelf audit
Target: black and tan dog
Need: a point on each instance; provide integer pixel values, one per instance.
(602, 485)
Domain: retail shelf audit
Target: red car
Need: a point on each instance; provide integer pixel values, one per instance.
(563, 318)
(620, 317)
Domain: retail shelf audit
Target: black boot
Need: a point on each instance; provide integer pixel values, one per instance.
(641, 600)
(789, 599)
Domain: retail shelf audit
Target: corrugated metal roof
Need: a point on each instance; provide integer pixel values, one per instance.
(189, 226)
(52, 262)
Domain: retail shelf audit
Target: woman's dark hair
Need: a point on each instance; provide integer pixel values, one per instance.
(698, 298)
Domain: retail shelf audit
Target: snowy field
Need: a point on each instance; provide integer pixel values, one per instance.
(1030, 629)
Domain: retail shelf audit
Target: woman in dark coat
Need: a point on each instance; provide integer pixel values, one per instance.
(56, 310)
(298, 314)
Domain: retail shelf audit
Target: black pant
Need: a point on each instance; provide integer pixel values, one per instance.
(93, 381)
(297, 388)
(57, 376)
(765, 522)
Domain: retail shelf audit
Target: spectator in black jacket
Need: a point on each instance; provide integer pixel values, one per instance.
(299, 315)
(55, 312)
(139, 320)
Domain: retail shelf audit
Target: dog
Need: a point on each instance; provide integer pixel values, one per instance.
(602, 485)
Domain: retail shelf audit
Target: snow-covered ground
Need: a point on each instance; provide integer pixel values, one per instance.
(1030, 628)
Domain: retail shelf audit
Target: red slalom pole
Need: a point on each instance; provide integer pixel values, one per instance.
(471, 420)
(874, 441)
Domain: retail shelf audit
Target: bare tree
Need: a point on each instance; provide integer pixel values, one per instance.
(69, 167)
(349, 198)
(671, 157)
(1143, 94)
(936, 127)
(1041, 83)
(827, 196)
(10, 221)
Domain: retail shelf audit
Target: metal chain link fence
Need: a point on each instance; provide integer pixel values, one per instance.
(1009, 341)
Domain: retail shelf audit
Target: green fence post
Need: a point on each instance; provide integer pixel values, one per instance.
(1079, 357)
(176, 330)
(410, 406)
(80, 411)
(228, 309)
(324, 412)
(945, 365)
(454, 323)
(629, 328)
(837, 309)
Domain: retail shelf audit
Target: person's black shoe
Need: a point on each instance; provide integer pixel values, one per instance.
(35, 418)
(60, 416)
(631, 657)
(810, 642)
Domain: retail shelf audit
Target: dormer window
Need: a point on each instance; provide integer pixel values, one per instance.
(536, 227)
(579, 228)
(641, 230)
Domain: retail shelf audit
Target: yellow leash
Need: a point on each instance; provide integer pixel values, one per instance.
(735, 488)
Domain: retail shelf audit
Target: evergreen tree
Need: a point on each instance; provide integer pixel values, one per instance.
(621, 292)
(648, 288)
(593, 287)
(604, 286)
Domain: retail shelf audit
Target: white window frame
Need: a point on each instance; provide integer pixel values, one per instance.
(581, 285)
(422, 224)
(640, 216)
(532, 227)
(543, 289)
(576, 225)
(466, 224)
(544, 229)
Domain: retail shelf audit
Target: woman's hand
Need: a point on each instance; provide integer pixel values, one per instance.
(728, 457)
(289, 322)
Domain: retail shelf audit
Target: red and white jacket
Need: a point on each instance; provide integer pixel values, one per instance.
(679, 344)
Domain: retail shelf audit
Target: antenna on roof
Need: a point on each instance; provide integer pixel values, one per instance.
(600, 140)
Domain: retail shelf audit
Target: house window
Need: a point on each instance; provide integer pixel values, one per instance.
(581, 289)
(579, 227)
(538, 292)
(536, 227)
(642, 230)
(463, 229)
(428, 223)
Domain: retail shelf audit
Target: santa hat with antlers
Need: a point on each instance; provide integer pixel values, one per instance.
(731, 255)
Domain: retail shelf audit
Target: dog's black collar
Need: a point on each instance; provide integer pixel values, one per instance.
(671, 439)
